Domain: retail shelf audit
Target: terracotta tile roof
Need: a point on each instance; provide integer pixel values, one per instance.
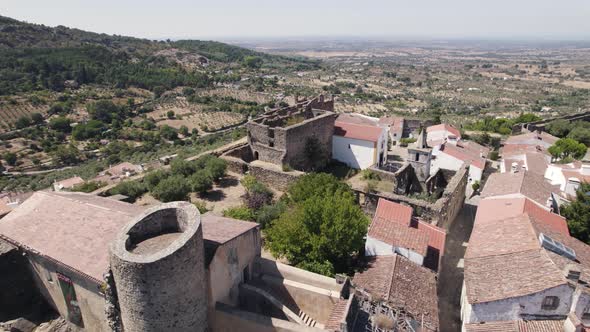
(356, 119)
(70, 183)
(536, 162)
(475, 147)
(399, 235)
(444, 127)
(568, 174)
(221, 229)
(504, 258)
(74, 229)
(517, 326)
(396, 123)
(122, 168)
(356, 131)
(403, 284)
(436, 235)
(498, 277)
(544, 139)
(468, 156)
(528, 184)
(393, 211)
(511, 150)
(506, 326)
(391, 224)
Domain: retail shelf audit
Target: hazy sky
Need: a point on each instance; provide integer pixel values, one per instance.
(546, 19)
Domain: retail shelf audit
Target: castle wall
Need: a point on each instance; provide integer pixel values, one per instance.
(297, 136)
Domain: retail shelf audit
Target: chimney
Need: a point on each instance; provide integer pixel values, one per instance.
(514, 167)
(572, 272)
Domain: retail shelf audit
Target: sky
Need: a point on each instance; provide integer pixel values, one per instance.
(226, 19)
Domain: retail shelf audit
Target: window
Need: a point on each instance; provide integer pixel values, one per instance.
(349, 146)
(417, 157)
(271, 144)
(550, 303)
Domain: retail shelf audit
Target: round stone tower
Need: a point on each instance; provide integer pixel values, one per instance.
(158, 267)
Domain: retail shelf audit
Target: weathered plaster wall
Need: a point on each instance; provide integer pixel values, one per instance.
(90, 299)
(374, 247)
(355, 153)
(525, 307)
(226, 270)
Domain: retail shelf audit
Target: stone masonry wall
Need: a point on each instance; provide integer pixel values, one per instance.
(321, 128)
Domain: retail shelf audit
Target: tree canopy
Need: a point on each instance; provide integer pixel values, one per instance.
(322, 228)
(567, 148)
(577, 214)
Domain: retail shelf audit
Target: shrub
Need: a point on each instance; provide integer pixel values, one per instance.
(131, 189)
(239, 212)
(172, 188)
(406, 141)
(201, 206)
(170, 114)
(475, 186)
(179, 166)
(89, 186)
(287, 168)
(368, 174)
(61, 124)
(494, 155)
(268, 213)
(201, 181)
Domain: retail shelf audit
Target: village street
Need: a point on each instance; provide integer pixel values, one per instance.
(451, 273)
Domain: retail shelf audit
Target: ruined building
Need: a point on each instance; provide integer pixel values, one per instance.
(106, 265)
(299, 136)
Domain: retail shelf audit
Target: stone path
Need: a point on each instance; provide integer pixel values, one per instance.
(450, 279)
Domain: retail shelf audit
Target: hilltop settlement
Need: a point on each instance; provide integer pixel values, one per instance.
(198, 186)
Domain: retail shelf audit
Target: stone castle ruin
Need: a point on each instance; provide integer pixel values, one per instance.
(299, 136)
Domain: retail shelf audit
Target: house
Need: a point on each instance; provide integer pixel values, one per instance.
(394, 231)
(540, 139)
(67, 184)
(359, 146)
(87, 253)
(118, 172)
(535, 162)
(398, 281)
(453, 156)
(441, 133)
(523, 270)
(568, 177)
(395, 127)
(520, 184)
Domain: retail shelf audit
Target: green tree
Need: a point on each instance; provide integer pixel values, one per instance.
(10, 158)
(201, 181)
(253, 61)
(152, 179)
(179, 166)
(23, 122)
(559, 128)
(61, 124)
(88, 130)
(131, 189)
(577, 214)
(322, 224)
(168, 132)
(66, 155)
(173, 188)
(170, 114)
(37, 118)
(567, 148)
(580, 134)
(104, 110)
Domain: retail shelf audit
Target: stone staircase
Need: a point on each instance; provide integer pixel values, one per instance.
(309, 321)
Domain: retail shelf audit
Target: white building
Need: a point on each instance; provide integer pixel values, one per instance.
(441, 133)
(453, 156)
(568, 177)
(359, 146)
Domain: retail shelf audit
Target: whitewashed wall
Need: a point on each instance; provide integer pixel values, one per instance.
(374, 247)
(355, 153)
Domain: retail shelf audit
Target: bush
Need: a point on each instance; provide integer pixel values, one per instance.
(201, 206)
(239, 212)
(131, 189)
(152, 179)
(201, 181)
(257, 196)
(494, 155)
(179, 166)
(287, 168)
(368, 174)
(10, 158)
(269, 213)
(89, 186)
(170, 114)
(248, 181)
(475, 186)
(173, 188)
(406, 141)
(61, 124)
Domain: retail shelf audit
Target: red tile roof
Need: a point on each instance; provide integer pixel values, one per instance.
(356, 119)
(70, 183)
(444, 127)
(436, 235)
(357, 131)
(397, 280)
(391, 224)
(74, 229)
(393, 211)
(395, 122)
(517, 326)
(469, 156)
(528, 184)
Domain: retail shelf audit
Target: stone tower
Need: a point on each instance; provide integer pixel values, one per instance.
(158, 268)
(420, 156)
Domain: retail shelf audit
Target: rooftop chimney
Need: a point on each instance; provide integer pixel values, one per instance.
(514, 167)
